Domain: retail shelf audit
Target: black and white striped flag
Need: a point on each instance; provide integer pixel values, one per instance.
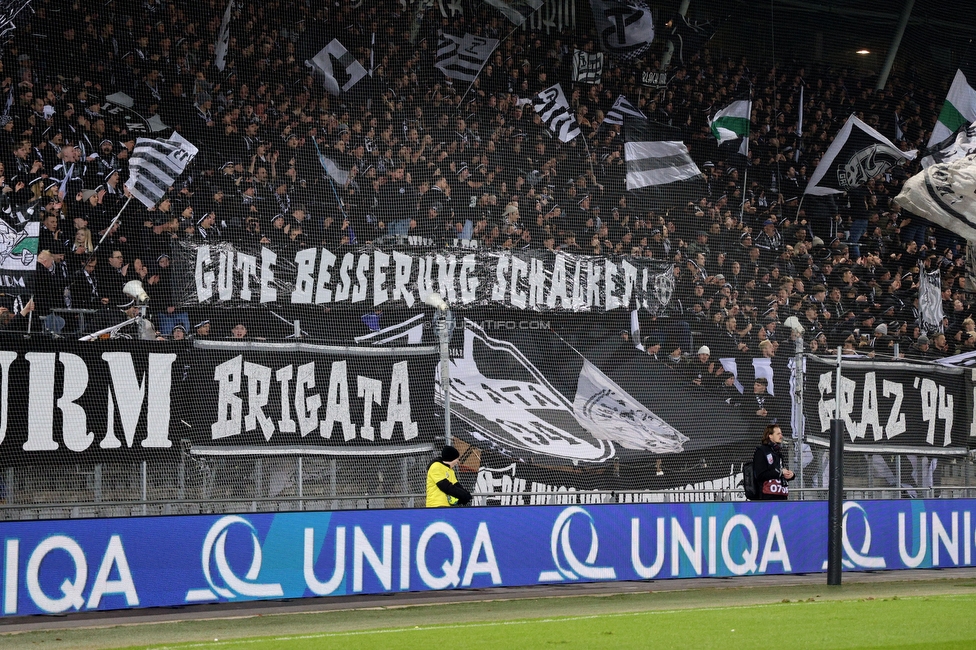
(655, 154)
(587, 67)
(336, 79)
(552, 106)
(463, 57)
(622, 108)
(155, 165)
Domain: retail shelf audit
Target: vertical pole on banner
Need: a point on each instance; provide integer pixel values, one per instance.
(835, 494)
(799, 432)
(443, 323)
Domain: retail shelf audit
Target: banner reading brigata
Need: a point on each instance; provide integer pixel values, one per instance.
(915, 405)
(535, 280)
(114, 400)
(261, 394)
(53, 567)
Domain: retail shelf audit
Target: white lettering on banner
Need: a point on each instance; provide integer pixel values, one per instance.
(774, 549)
(114, 557)
(404, 557)
(71, 590)
(380, 261)
(268, 260)
(693, 551)
(247, 265)
(204, 279)
(909, 560)
(937, 404)
(941, 537)
(383, 568)
(224, 274)
(6, 358)
(362, 283)
(337, 404)
(646, 572)
(402, 267)
(436, 574)
(11, 573)
(450, 570)
(339, 566)
(129, 396)
(230, 420)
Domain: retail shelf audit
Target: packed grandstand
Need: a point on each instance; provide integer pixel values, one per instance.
(224, 225)
(435, 161)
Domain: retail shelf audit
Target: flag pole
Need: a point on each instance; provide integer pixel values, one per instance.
(745, 174)
(111, 225)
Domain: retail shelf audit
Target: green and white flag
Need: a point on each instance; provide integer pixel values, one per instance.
(732, 123)
(958, 110)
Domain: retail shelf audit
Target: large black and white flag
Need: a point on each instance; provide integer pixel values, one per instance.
(463, 57)
(516, 10)
(155, 165)
(945, 194)
(625, 27)
(552, 106)
(587, 67)
(655, 154)
(223, 38)
(857, 154)
(930, 312)
(621, 109)
(336, 68)
(956, 146)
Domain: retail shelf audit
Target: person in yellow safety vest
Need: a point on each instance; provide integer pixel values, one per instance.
(443, 489)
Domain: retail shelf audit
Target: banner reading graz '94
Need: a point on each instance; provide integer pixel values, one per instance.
(893, 404)
(541, 281)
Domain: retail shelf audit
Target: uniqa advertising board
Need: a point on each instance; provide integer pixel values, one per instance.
(52, 567)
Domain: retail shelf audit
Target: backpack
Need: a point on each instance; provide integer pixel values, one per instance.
(749, 482)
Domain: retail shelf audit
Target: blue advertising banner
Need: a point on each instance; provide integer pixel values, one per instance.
(76, 565)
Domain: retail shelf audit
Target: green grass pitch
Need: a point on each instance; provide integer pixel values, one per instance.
(935, 614)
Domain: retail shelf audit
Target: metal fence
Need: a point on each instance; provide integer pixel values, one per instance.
(219, 485)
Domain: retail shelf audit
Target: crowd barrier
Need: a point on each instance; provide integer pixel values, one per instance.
(52, 567)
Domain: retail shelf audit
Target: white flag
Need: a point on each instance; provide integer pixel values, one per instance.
(348, 71)
(945, 194)
(155, 165)
(223, 38)
(552, 106)
(463, 57)
(610, 413)
(587, 67)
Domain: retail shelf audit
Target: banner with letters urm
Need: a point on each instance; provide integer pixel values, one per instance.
(51, 567)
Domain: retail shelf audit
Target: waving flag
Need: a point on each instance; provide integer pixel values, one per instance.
(155, 165)
(551, 104)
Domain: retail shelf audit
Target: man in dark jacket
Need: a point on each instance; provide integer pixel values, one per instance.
(443, 488)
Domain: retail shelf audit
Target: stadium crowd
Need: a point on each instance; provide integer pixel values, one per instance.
(439, 160)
